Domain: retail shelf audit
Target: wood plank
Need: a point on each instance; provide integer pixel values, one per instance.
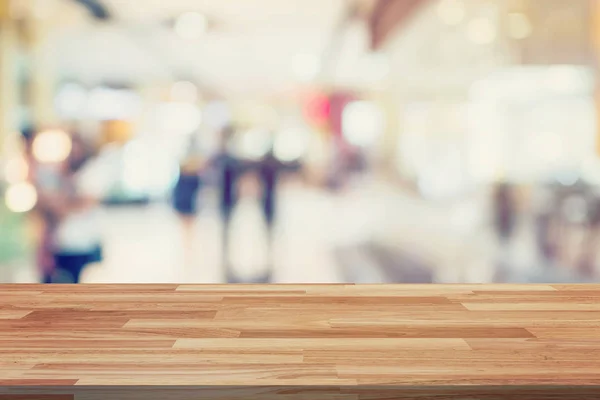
(322, 344)
(532, 306)
(37, 397)
(13, 314)
(368, 332)
(37, 382)
(421, 335)
(18, 343)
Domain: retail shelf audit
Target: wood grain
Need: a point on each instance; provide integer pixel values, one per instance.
(301, 335)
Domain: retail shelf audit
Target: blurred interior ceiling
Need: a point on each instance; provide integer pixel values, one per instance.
(248, 46)
(388, 15)
(96, 8)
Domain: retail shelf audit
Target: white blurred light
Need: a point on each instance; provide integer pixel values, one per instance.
(109, 104)
(136, 164)
(306, 67)
(362, 123)
(519, 26)
(565, 78)
(291, 145)
(16, 170)
(591, 171)
(139, 157)
(21, 197)
(185, 92)
(377, 67)
(52, 146)
(551, 148)
(71, 100)
(255, 144)
(179, 118)
(482, 31)
(451, 12)
(567, 178)
(191, 25)
(263, 115)
(217, 115)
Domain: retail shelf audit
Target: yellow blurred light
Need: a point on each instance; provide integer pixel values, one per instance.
(21, 197)
(16, 170)
(52, 146)
(519, 26)
(43, 9)
(482, 31)
(451, 12)
(191, 25)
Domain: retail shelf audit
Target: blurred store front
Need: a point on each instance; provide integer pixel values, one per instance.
(411, 140)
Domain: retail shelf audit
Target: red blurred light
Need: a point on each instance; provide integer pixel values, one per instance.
(318, 108)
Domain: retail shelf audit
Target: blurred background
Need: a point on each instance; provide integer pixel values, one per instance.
(367, 141)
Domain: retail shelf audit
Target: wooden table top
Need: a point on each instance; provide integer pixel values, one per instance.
(299, 335)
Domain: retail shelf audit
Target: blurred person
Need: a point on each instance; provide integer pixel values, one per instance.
(589, 251)
(269, 171)
(185, 192)
(505, 206)
(227, 169)
(73, 199)
(43, 177)
(339, 165)
(544, 214)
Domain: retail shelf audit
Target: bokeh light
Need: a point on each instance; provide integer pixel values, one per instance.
(519, 26)
(254, 144)
(191, 25)
(178, 118)
(306, 67)
(16, 170)
(71, 101)
(21, 197)
(451, 12)
(482, 31)
(184, 91)
(52, 146)
(363, 123)
(291, 145)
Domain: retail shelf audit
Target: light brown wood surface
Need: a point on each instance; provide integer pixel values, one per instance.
(299, 335)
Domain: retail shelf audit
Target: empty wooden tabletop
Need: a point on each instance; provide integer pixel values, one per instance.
(299, 335)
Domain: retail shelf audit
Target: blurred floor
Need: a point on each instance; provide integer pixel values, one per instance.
(147, 245)
(374, 233)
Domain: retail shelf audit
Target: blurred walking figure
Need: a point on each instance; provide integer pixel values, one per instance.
(505, 212)
(185, 193)
(505, 219)
(545, 213)
(227, 169)
(589, 247)
(70, 192)
(269, 170)
(41, 177)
